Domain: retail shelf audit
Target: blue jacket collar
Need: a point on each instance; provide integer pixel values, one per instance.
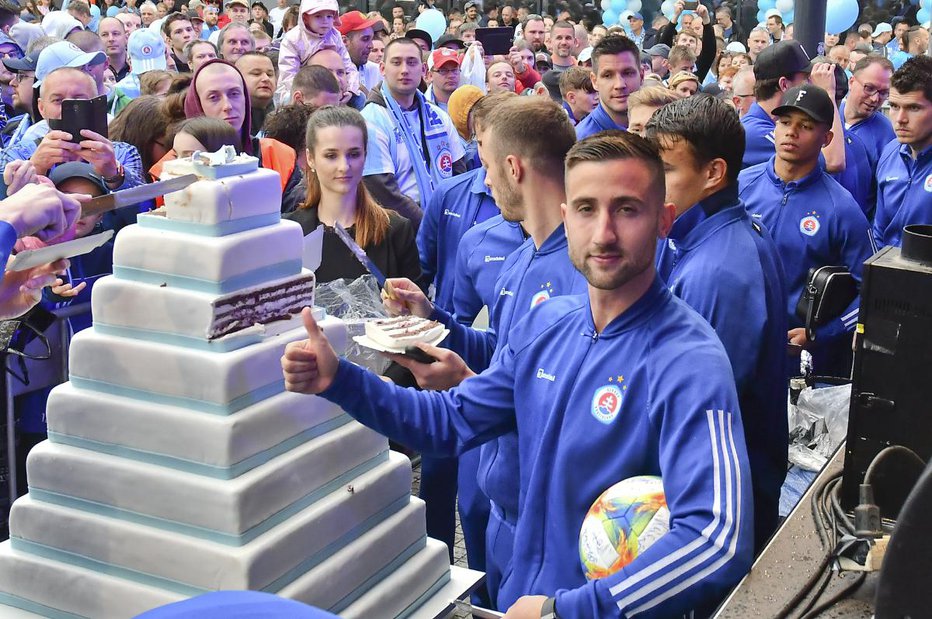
(477, 186)
(803, 182)
(569, 112)
(757, 111)
(907, 153)
(601, 119)
(640, 311)
(699, 222)
(555, 242)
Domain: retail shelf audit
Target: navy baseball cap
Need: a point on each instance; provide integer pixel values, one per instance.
(782, 59)
(26, 63)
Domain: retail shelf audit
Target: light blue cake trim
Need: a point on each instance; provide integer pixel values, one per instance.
(219, 537)
(264, 275)
(248, 399)
(158, 222)
(200, 468)
(432, 591)
(89, 563)
(36, 608)
(379, 576)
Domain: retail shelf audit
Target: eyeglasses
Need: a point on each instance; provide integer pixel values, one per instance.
(446, 72)
(870, 90)
(21, 76)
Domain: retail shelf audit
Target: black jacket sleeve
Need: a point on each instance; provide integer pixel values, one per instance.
(707, 55)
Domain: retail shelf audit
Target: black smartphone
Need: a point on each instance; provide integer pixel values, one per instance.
(77, 114)
(495, 41)
(690, 6)
(415, 353)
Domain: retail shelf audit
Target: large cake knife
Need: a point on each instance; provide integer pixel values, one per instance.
(360, 254)
(135, 195)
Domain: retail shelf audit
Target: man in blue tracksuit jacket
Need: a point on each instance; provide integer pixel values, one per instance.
(616, 73)
(813, 220)
(904, 172)
(727, 268)
(537, 270)
(479, 259)
(625, 380)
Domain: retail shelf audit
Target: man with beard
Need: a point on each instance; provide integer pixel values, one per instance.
(24, 76)
(624, 371)
(563, 42)
(533, 32)
(616, 73)
(358, 33)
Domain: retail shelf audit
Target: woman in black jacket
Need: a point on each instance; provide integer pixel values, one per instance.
(336, 154)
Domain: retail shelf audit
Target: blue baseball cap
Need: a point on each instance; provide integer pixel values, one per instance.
(64, 54)
(635, 16)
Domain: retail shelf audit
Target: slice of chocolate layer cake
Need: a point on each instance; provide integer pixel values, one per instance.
(278, 300)
(402, 331)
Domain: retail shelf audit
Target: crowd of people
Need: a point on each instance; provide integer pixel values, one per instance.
(665, 186)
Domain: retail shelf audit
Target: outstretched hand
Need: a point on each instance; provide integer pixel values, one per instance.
(310, 365)
(21, 290)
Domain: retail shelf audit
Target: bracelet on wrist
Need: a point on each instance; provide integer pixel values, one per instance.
(118, 178)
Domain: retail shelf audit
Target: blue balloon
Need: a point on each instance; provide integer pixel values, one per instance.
(766, 5)
(609, 18)
(432, 22)
(762, 16)
(618, 6)
(840, 15)
(790, 16)
(923, 15)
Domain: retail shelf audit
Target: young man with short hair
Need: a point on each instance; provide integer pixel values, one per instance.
(563, 43)
(259, 72)
(814, 221)
(358, 33)
(413, 144)
(443, 66)
(178, 32)
(643, 104)
(616, 73)
(904, 172)
(727, 268)
(315, 86)
(198, 52)
(624, 371)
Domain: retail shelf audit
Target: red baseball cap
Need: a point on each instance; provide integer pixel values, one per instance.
(354, 20)
(442, 56)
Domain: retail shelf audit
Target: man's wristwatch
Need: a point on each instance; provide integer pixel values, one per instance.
(118, 178)
(549, 609)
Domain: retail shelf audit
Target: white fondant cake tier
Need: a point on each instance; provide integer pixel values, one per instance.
(227, 511)
(208, 264)
(215, 445)
(302, 545)
(220, 383)
(60, 590)
(155, 311)
(234, 197)
(396, 594)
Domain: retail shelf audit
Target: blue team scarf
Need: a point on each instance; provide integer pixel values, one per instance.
(436, 163)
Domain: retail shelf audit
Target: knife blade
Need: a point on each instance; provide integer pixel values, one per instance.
(359, 253)
(135, 195)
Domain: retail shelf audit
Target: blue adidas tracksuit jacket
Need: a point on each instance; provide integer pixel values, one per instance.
(479, 259)
(727, 269)
(875, 131)
(529, 276)
(597, 120)
(653, 393)
(456, 205)
(858, 175)
(904, 192)
(759, 143)
(814, 222)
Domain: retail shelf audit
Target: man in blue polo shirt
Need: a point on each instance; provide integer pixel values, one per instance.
(727, 268)
(868, 88)
(813, 220)
(904, 172)
(616, 73)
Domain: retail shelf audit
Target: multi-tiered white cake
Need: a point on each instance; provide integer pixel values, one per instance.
(177, 465)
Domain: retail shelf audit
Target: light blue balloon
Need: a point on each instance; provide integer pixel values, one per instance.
(762, 16)
(840, 15)
(924, 3)
(432, 22)
(766, 5)
(667, 8)
(923, 15)
(789, 18)
(618, 6)
(609, 18)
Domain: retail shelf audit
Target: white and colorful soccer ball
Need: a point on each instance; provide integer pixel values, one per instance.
(622, 523)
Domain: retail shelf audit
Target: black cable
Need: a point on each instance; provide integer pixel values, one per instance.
(845, 522)
(806, 588)
(885, 452)
(818, 593)
(821, 608)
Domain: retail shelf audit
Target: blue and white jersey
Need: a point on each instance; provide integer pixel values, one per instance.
(904, 192)
(482, 252)
(597, 120)
(387, 152)
(858, 175)
(651, 394)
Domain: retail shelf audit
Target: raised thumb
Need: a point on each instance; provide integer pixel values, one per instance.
(310, 325)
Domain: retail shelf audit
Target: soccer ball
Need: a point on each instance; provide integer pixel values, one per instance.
(623, 522)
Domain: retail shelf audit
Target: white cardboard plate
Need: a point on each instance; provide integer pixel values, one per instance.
(363, 340)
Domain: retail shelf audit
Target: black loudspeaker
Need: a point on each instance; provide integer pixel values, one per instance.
(891, 395)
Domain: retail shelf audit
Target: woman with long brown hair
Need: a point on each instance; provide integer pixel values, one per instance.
(336, 154)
